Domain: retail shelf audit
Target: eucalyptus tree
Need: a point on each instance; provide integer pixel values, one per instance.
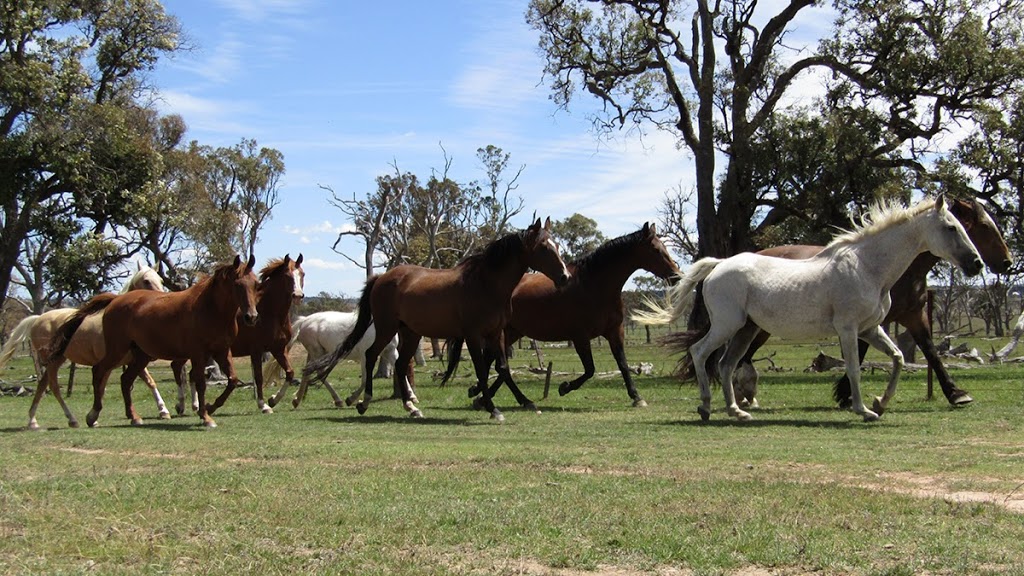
(714, 73)
(71, 74)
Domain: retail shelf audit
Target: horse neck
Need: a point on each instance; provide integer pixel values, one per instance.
(505, 278)
(611, 274)
(271, 303)
(214, 299)
(887, 254)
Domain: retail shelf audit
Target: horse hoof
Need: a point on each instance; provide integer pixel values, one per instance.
(497, 416)
(416, 414)
(877, 406)
(165, 415)
(272, 401)
(564, 389)
(35, 427)
(639, 403)
(473, 391)
(180, 410)
(478, 404)
(531, 406)
(209, 424)
(341, 404)
(870, 416)
(295, 402)
(267, 410)
(71, 424)
(137, 422)
(361, 408)
(705, 414)
(962, 400)
(742, 416)
(210, 409)
(348, 402)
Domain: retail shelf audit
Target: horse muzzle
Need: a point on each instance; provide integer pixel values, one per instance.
(974, 267)
(250, 319)
(562, 280)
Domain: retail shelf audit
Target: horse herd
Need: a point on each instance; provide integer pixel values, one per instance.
(873, 274)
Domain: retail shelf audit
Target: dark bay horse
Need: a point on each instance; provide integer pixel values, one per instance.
(280, 285)
(469, 301)
(909, 298)
(197, 323)
(590, 305)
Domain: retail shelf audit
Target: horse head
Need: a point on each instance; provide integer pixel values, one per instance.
(984, 234)
(242, 281)
(655, 257)
(946, 238)
(542, 253)
(145, 279)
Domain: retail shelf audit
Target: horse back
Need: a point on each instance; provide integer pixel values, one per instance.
(432, 303)
(168, 325)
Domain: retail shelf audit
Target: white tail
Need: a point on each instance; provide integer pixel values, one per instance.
(19, 335)
(678, 298)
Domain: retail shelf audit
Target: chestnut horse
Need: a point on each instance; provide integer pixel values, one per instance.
(85, 348)
(469, 301)
(281, 283)
(587, 307)
(197, 323)
(909, 298)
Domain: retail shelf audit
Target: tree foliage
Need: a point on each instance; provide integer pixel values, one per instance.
(714, 74)
(577, 236)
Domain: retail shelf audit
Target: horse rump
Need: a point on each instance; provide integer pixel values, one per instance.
(62, 337)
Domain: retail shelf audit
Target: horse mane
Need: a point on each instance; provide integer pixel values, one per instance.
(610, 250)
(495, 253)
(272, 267)
(881, 216)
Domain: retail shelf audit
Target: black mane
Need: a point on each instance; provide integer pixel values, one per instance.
(609, 251)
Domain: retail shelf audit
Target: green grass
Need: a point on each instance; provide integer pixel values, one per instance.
(591, 484)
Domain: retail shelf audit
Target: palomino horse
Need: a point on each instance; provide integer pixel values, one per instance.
(469, 301)
(320, 333)
(85, 348)
(197, 323)
(843, 289)
(281, 283)
(909, 299)
(587, 307)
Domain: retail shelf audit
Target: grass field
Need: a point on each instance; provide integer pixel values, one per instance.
(591, 485)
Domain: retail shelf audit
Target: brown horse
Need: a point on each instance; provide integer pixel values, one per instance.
(587, 307)
(281, 282)
(909, 298)
(196, 323)
(469, 301)
(85, 348)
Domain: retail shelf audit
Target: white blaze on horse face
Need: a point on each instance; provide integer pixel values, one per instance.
(298, 281)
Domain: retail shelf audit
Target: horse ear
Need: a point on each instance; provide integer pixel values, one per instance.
(547, 223)
(238, 260)
(138, 265)
(251, 264)
(647, 230)
(299, 259)
(940, 202)
(287, 259)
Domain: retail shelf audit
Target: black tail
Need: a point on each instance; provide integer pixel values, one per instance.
(62, 337)
(320, 368)
(454, 355)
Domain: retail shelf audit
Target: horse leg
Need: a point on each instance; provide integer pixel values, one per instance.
(848, 343)
(880, 340)
(919, 329)
(71, 378)
(49, 380)
(748, 396)
(135, 367)
(586, 355)
(178, 370)
(164, 413)
(257, 375)
(700, 352)
(841, 389)
(232, 384)
(734, 352)
(408, 342)
(482, 367)
(617, 343)
(197, 375)
(100, 374)
(505, 376)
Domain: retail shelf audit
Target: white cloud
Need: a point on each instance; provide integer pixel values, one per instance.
(321, 264)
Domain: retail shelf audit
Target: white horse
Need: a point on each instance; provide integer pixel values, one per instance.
(86, 347)
(320, 334)
(844, 290)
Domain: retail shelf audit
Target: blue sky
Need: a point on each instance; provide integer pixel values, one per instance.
(345, 88)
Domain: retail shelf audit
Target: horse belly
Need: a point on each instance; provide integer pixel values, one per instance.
(553, 318)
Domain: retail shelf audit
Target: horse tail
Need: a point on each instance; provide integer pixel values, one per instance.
(321, 367)
(454, 346)
(62, 337)
(19, 335)
(678, 298)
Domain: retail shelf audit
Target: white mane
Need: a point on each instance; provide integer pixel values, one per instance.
(880, 216)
